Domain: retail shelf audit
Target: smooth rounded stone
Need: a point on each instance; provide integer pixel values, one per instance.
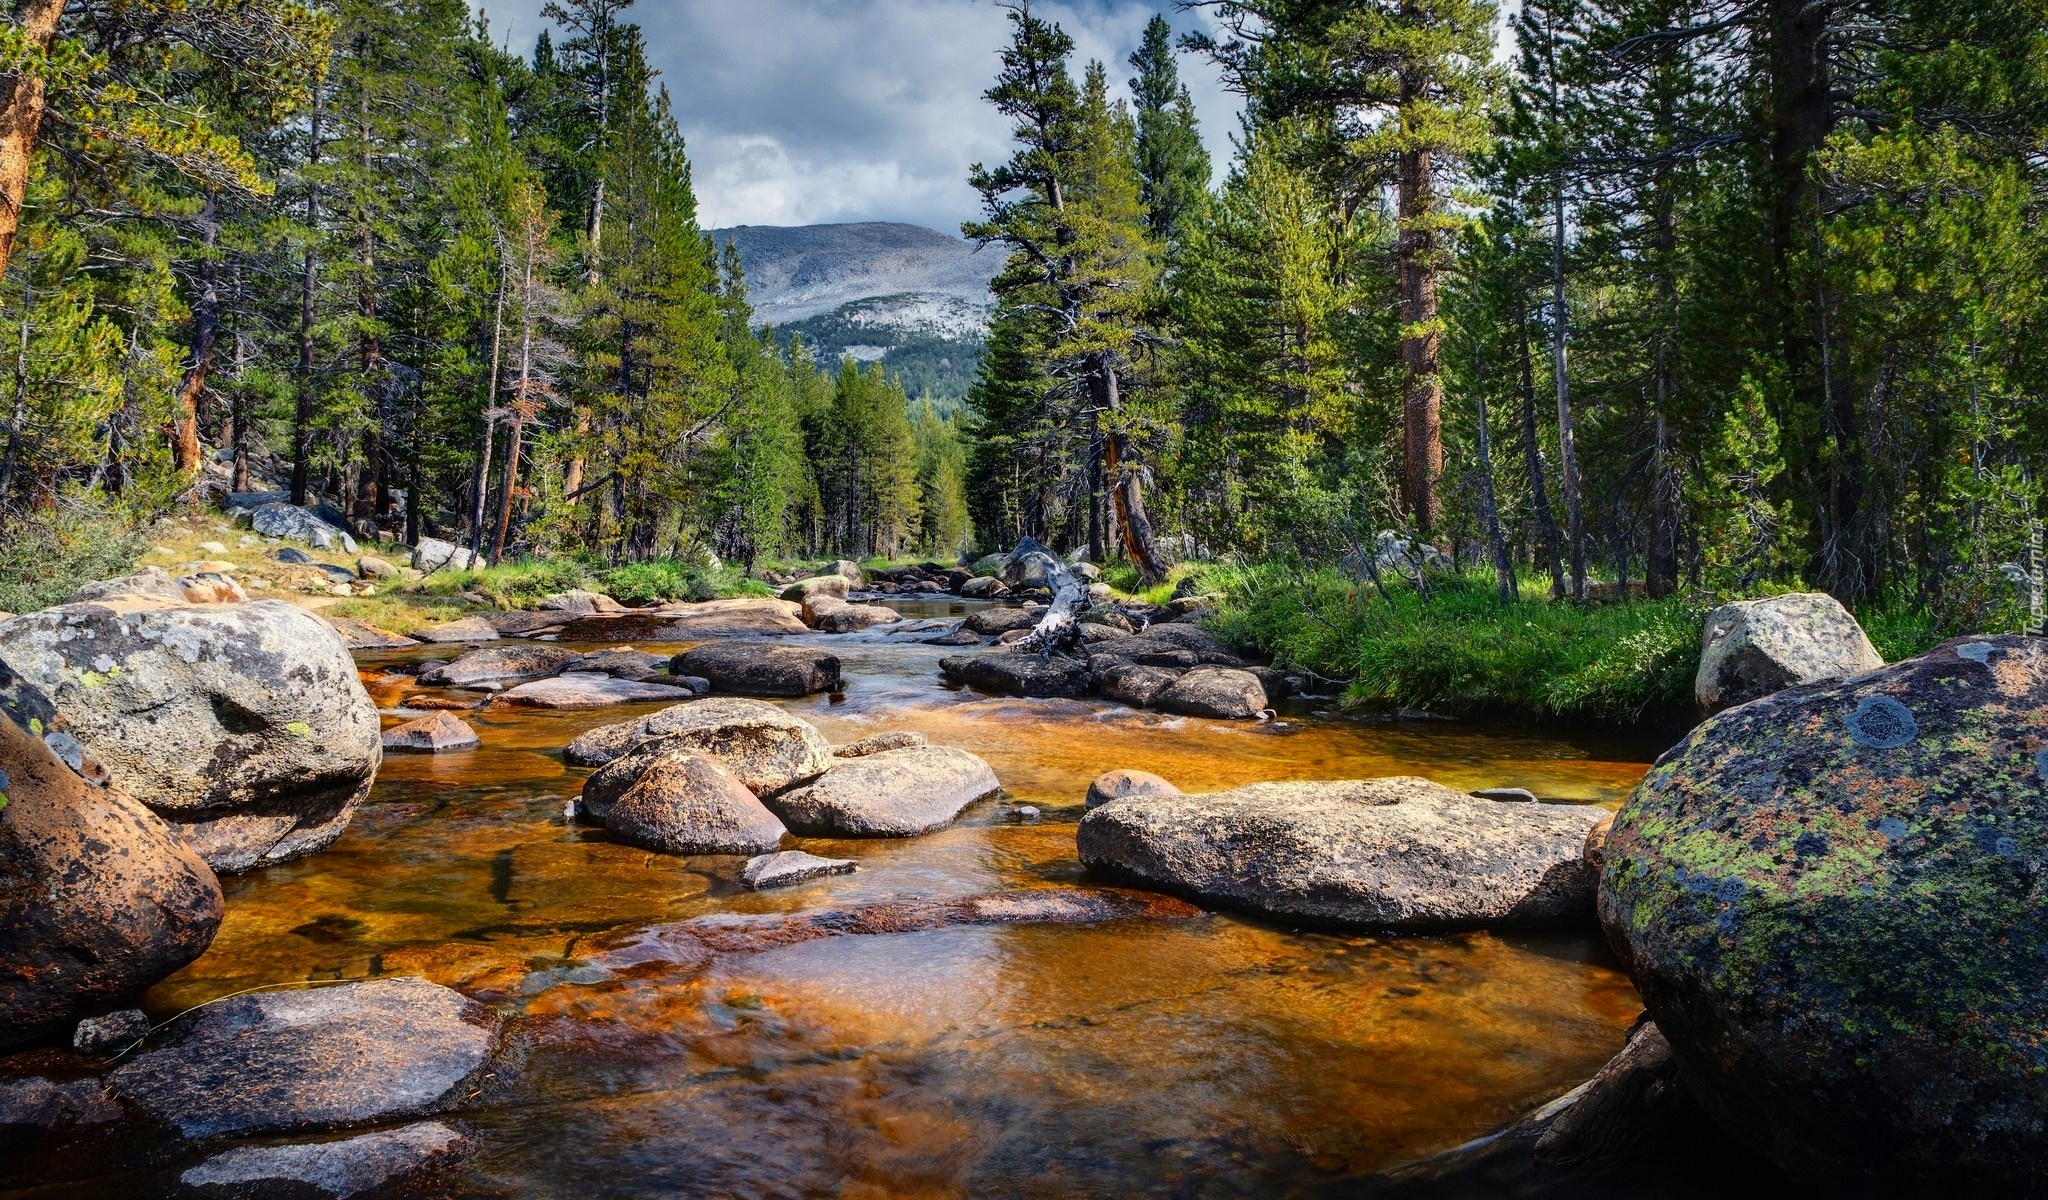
(369, 566)
(1753, 648)
(1019, 674)
(1397, 853)
(361, 635)
(875, 743)
(622, 663)
(738, 618)
(827, 614)
(985, 587)
(1132, 683)
(990, 622)
(961, 636)
(583, 689)
(666, 796)
(760, 668)
(110, 1032)
(847, 570)
(433, 554)
(99, 898)
(1220, 692)
(36, 1103)
(432, 734)
(154, 584)
(500, 663)
(804, 590)
(1832, 902)
(764, 747)
(281, 520)
(578, 602)
(791, 866)
(245, 726)
(897, 793)
(1030, 565)
(467, 629)
(1122, 783)
(1505, 795)
(370, 1162)
(293, 556)
(318, 1058)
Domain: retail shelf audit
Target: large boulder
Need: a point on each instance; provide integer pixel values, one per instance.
(245, 726)
(1752, 648)
(433, 554)
(897, 793)
(460, 631)
(99, 898)
(1019, 673)
(802, 590)
(1398, 853)
(579, 602)
(1133, 683)
(992, 621)
(1221, 692)
(1030, 565)
(154, 584)
(666, 796)
(280, 520)
(763, 746)
(1834, 901)
(432, 734)
(740, 618)
(828, 614)
(500, 663)
(1123, 783)
(760, 668)
(586, 689)
(323, 1058)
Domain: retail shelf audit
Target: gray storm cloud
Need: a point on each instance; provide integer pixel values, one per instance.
(807, 111)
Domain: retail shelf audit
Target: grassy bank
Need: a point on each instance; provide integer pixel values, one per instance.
(1463, 652)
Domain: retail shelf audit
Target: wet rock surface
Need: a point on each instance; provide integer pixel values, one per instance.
(581, 689)
(791, 867)
(1832, 902)
(894, 793)
(99, 898)
(498, 664)
(1397, 853)
(320, 1058)
(276, 740)
(431, 734)
(762, 745)
(1021, 673)
(1752, 648)
(457, 632)
(1219, 692)
(741, 618)
(760, 668)
(1122, 783)
(360, 635)
(667, 796)
(342, 1169)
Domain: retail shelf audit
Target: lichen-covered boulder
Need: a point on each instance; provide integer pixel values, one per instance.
(896, 793)
(804, 590)
(1752, 648)
(1834, 901)
(764, 747)
(99, 899)
(829, 614)
(666, 796)
(245, 726)
(1399, 853)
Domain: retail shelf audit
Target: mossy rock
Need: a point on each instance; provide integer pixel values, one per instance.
(1832, 900)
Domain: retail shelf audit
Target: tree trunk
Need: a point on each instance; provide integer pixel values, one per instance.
(185, 452)
(22, 98)
(1567, 440)
(1421, 340)
(480, 480)
(1539, 491)
(1489, 514)
(17, 419)
(510, 481)
(309, 294)
(1126, 483)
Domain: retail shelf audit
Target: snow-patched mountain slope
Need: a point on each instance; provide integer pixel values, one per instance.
(802, 271)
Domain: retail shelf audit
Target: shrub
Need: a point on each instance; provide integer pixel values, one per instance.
(46, 555)
(666, 580)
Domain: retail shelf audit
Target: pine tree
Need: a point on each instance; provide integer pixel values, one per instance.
(1173, 165)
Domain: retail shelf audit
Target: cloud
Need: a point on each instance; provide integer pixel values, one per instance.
(807, 111)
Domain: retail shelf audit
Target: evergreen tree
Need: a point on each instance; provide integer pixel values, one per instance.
(1173, 165)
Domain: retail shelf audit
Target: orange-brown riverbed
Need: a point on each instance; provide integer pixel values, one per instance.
(1217, 1056)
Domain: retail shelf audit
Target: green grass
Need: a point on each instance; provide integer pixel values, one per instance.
(665, 580)
(46, 555)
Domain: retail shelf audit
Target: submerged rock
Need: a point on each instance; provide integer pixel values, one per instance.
(761, 668)
(791, 867)
(1752, 648)
(763, 746)
(1121, 783)
(99, 898)
(433, 734)
(246, 726)
(1021, 673)
(896, 793)
(1399, 853)
(1834, 901)
(320, 1058)
(667, 796)
(369, 1162)
(500, 663)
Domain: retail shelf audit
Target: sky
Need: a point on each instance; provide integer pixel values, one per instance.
(801, 112)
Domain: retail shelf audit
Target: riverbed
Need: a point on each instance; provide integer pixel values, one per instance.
(1213, 1056)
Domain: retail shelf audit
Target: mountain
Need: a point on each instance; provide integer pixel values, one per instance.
(912, 297)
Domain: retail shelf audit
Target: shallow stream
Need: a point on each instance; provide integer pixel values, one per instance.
(1215, 1056)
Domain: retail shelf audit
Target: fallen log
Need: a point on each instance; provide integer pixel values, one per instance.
(1032, 565)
